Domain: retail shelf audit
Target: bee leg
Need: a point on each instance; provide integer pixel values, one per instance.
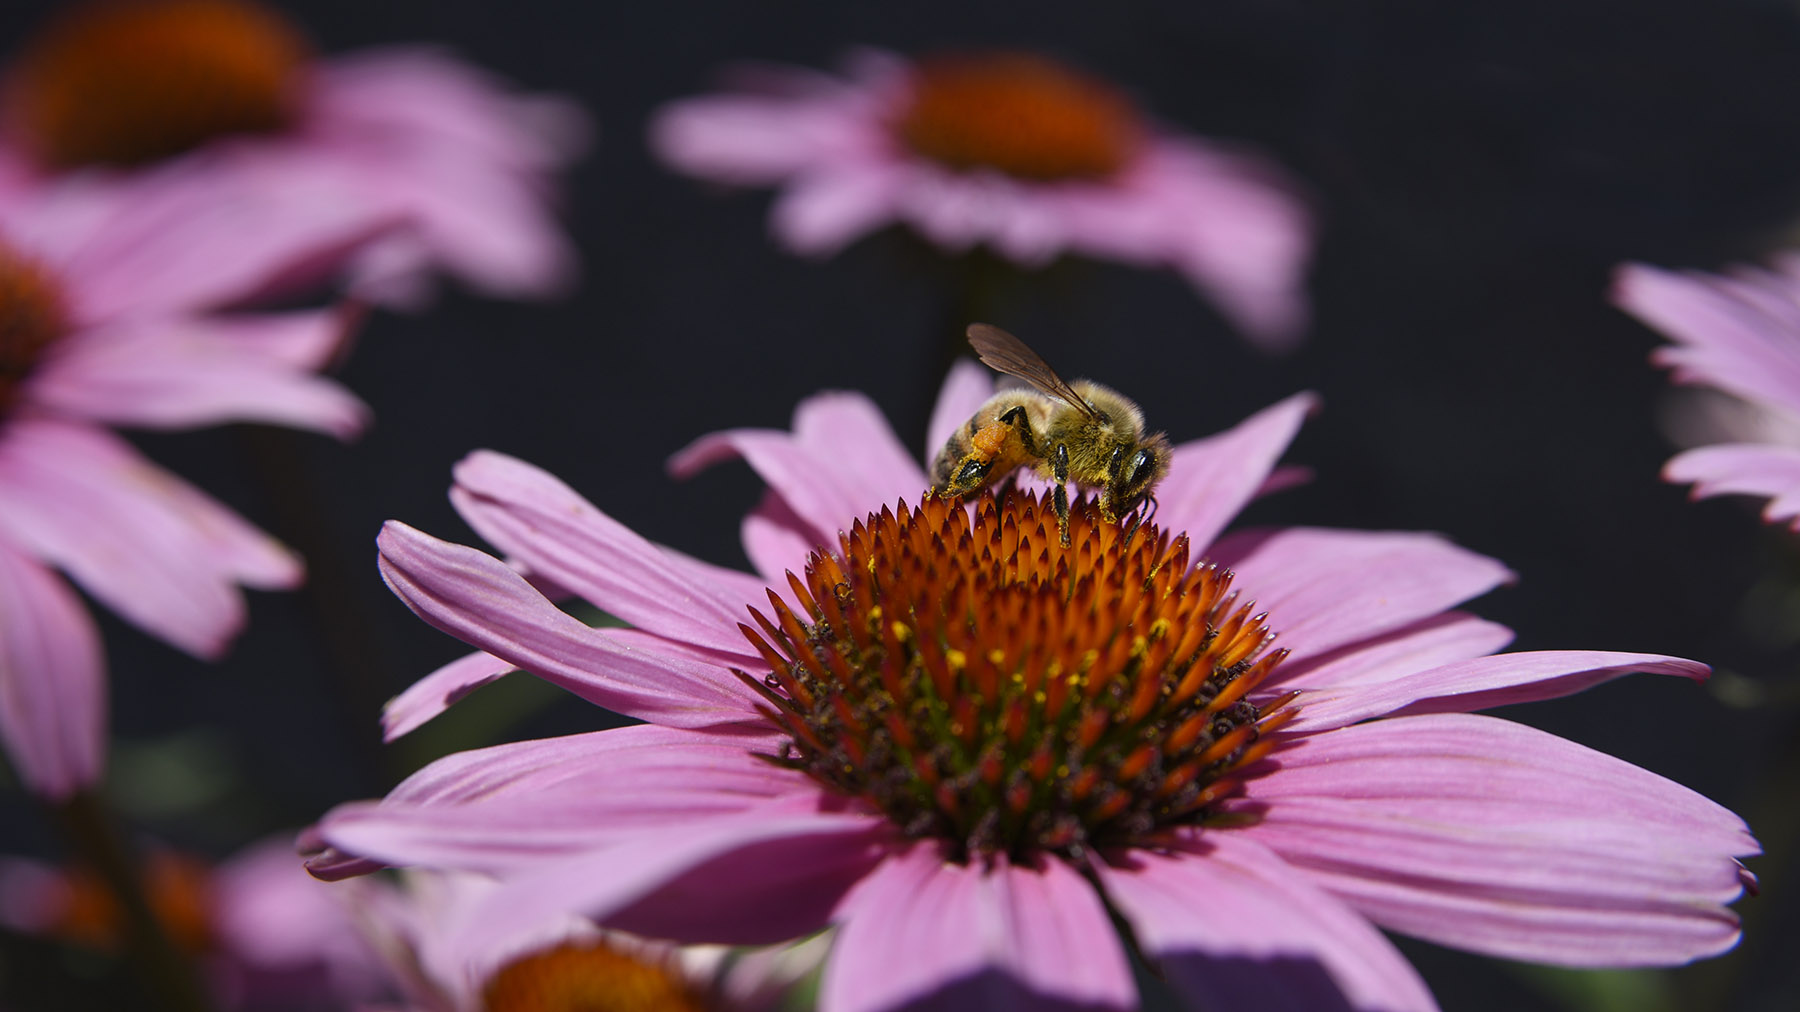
(1060, 467)
(969, 475)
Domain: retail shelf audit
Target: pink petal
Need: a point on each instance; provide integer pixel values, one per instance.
(1491, 836)
(194, 236)
(965, 390)
(776, 539)
(184, 372)
(1234, 927)
(479, 600)
(510, 805)
(436, 692)
(1211, 479)
(535, 518)
(1428, 643)
(822, 211)
(1737, 334)
(154, 549)
(1480, 683)
(1325, 588)
(750, 140)
(52, 681)
(770, 874)
(1743, 469)
(924, 932)
(840, 464)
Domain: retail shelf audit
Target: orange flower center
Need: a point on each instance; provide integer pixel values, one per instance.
(180, 893)
(588, 977)
(1020, 114)
(981, 684)
(31, 319)
(126, 82)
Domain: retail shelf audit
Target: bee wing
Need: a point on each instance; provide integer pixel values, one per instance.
(1006, 353)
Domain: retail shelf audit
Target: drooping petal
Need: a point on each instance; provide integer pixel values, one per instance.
(543, 523)
(153, 548)
(1491, 836)
(749, 140)
(175, 373)
(965, 390)
(776, 539)
(179, 240)
(52, 680)
(1325, 588)
(475, 597)
(1234, 927)
(821, 212)
(506, 806)
(1737, 334)
(839, 464)
(1743, 469)
(770, 874)
(438, 691)
(923, 932)
(1480, 683)
(1210, 480)
(1427, 643)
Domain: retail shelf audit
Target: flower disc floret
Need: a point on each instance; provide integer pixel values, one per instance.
(1019, 114)
(588, 977)
(31, 320)
(963, 672)
(126, 83)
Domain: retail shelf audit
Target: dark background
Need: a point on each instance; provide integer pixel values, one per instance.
(1479, 168)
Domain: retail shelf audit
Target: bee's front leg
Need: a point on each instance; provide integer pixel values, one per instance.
(1059, 465)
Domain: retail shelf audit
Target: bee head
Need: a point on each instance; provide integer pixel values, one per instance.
(1134, 469)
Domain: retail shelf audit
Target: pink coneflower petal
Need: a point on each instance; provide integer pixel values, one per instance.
(456, 808)
(1489, 835)
(770, 874)
(182, 373)
(973, 938)
(1482, 683)
(1229, 921)
(776, 538)
(476, 598)
(1735, 333)
(181, 241)
(1440, 639)
(546, 525)
(821, 212)
(433, 694)
(841, 460)
(153, 548)
(1212, 479)
(52, 680)
(1332, 587)
(1746, 469)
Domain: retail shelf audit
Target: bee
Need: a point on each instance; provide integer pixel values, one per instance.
(1077, 432)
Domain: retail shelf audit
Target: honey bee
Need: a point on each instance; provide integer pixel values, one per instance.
(1077, 432)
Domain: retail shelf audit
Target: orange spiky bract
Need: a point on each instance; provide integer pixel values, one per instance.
(960, 670)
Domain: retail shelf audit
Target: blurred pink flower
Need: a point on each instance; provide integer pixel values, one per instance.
(439, 957)
(268, 935)
(110, 93)
(1011, 150)
(966, 747)
(1738, 334)
(100, 324)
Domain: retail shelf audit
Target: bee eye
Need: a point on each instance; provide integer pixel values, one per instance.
(1141, 467)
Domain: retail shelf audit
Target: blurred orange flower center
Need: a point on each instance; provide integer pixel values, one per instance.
(1020, 114)
(180, 893)
(31, 319)
(126, 82)
(981, 684)
(588, 977)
